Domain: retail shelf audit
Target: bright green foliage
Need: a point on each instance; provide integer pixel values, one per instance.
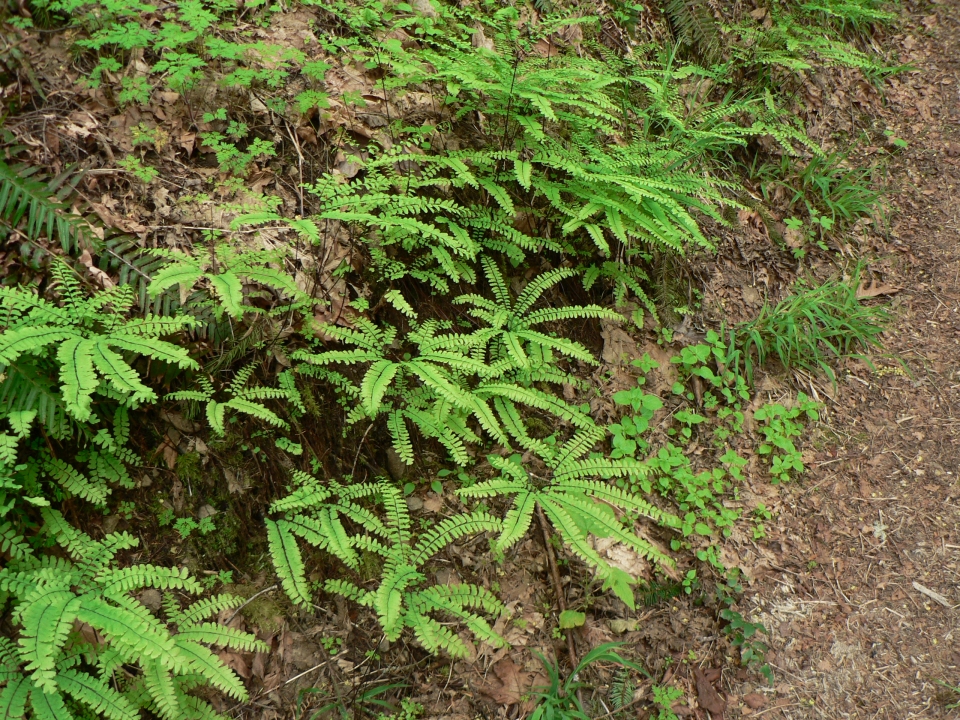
(224, 270)
(511, 325)
(50, 661)
(37, 208)
(577, 503)
(810, 329)
(106, 457)
(242, 399)
(779, 425)
(402, 599)
(414, 212)
(81, 340)
(447, 378)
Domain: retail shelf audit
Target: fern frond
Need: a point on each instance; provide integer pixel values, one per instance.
(537, 399)
(163, 691)
(223, 636)
(125, 580)
(46, 620)
(350, 592)
(139, 632)
(204, 662)
(450, 530)
(13, 698)
(48, 705)
(436, 638)
(95, 694)
(26, 200)
(517, 521)
(287, 561)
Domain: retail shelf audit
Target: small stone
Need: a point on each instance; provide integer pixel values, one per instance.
(414, 504)
(425, 7)
(206, 511)
(395, 465)
(151, 599)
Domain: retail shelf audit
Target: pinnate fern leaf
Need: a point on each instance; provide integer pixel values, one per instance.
(288, 561)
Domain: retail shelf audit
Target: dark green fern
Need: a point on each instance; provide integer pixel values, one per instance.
(36, 209)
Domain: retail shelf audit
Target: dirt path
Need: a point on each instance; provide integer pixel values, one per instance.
(875, 526)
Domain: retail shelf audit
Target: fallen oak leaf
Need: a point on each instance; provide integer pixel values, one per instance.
(875, 290)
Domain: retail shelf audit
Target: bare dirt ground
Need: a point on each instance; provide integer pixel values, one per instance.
(862, 591)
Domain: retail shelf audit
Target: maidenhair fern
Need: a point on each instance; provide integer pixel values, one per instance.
(568, 484)
(512, 325)
(440, 380)
(402, 599)
(242, 399)
(224, 270)
(141, 662)
(79, 341)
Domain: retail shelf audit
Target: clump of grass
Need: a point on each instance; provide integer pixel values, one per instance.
(810, 329)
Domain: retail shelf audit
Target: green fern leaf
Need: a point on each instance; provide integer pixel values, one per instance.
(29, 339)
(287, 561)
(518, 519)
(229, 289)
(389, 598)
(13, 698)
(256, 410)
(78, 380)
(46, 620)
(95, 694)
(115, 371)
(123, 627)
(223, 636)
(162, 690)
(209, 666)
(435, 638)
(400, 436)
(48, 705)
(184, 273)
(451, 529)
(216, 413)
(375, 384)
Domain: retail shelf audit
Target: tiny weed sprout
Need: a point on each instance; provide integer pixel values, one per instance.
(742, 634)
(559, 699)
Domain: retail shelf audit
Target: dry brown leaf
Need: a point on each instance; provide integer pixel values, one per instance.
(707, 695)
(236, 662)
(99, 275)
(169, 455)
(875, 289)
(509, 683)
